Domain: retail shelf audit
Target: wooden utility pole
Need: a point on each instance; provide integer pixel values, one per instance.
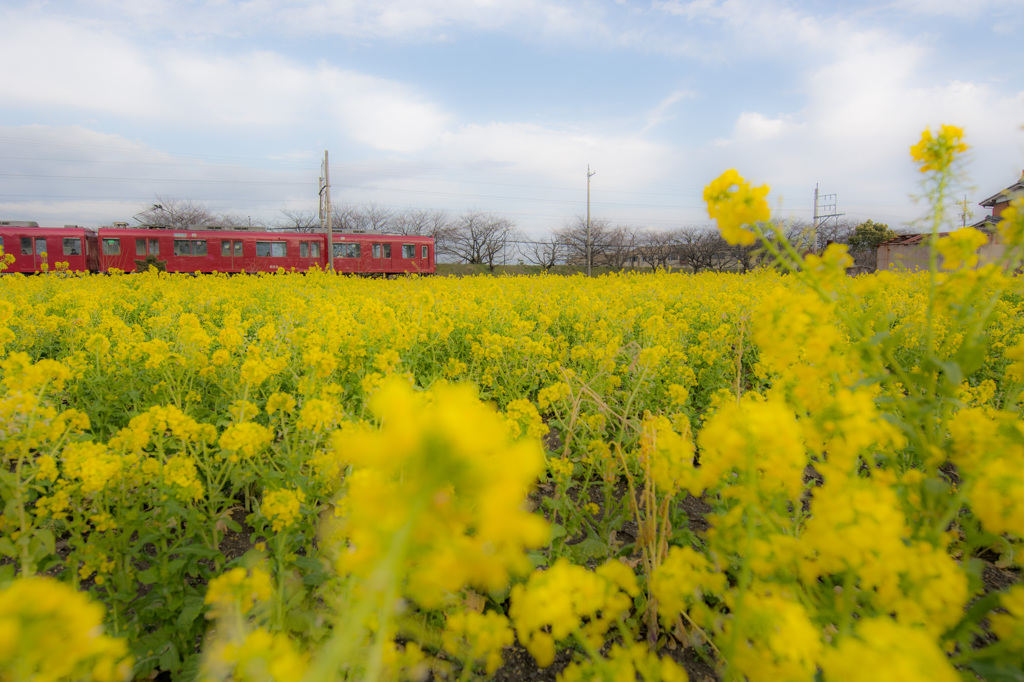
(589, 174)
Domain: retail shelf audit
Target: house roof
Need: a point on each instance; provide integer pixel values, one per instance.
(986, 224)
(909, 239)
(1011, 192)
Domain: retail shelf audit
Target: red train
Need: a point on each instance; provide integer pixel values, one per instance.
(210, 250)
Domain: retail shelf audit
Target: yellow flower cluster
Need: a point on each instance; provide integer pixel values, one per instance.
(474, 636)
(632, 662)
(50, 632)
(239, 589)
(960, 248)
(880, 645)
(936, 152)
(568, 600)
(445, 496)
(734, 203)
(261, 656)
(282, 507)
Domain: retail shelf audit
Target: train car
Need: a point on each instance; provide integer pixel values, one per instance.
(40, 249)
(232, 251)
(207, 251)
(381, 255)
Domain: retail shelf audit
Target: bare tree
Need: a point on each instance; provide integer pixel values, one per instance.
(574, 236)
(411, 221)
(347, 218)
(655, 248)
(299, 221)
(479, 237)
(231, 220)
(377, 217)
(698, 248)
(181, 214)
(620, 246)
(547, 252)
(434, 223)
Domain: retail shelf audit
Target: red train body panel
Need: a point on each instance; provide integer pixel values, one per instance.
(210, 251)
(34, 247)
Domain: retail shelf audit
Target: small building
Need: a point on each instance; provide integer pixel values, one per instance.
(910, 251)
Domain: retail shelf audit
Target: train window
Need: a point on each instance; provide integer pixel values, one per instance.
(26, 246)
(226, 246)
(387, 250)
(346, 250)
(111, 247)
(376, 250)
(271, 249)
(408, 250)
(189, 247)
(314, 249)
(303, 249)
(154, 247)
(424, 251)
(72, 246)
(140, 247)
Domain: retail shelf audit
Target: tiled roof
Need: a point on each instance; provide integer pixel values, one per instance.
(908, 239)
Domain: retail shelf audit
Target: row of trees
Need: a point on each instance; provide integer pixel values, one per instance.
(485, 238)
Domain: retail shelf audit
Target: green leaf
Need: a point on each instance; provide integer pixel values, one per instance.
(192, 609)
(995, 672)
(149, 576)
(169, 659)
(557, 531)
(590, 548)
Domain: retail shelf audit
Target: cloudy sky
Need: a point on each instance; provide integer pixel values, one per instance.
(499, 105)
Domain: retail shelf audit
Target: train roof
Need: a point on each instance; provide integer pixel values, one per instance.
(234, 234)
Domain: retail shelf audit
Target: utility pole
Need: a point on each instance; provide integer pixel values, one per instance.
(964, 213)
(589, 174)
(325, 210)
(819, 219)
(815, 222)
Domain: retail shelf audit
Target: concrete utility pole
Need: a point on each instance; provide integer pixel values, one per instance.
(325, 211)
(964, 212)
(589, 174)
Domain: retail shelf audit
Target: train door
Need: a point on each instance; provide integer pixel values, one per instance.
(425, 258)
(147, 249)
(92, 251)
(309, 255)
(386, 264)
(231, 254)
(36, 250)
(377, 258)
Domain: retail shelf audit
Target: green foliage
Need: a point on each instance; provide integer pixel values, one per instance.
(868, 235)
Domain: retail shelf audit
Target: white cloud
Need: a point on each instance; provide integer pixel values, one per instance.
(257, 89)
(753, 127)
(660, 114)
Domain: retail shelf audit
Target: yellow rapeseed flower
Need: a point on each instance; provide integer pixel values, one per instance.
(734, 203)
(937, 152)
